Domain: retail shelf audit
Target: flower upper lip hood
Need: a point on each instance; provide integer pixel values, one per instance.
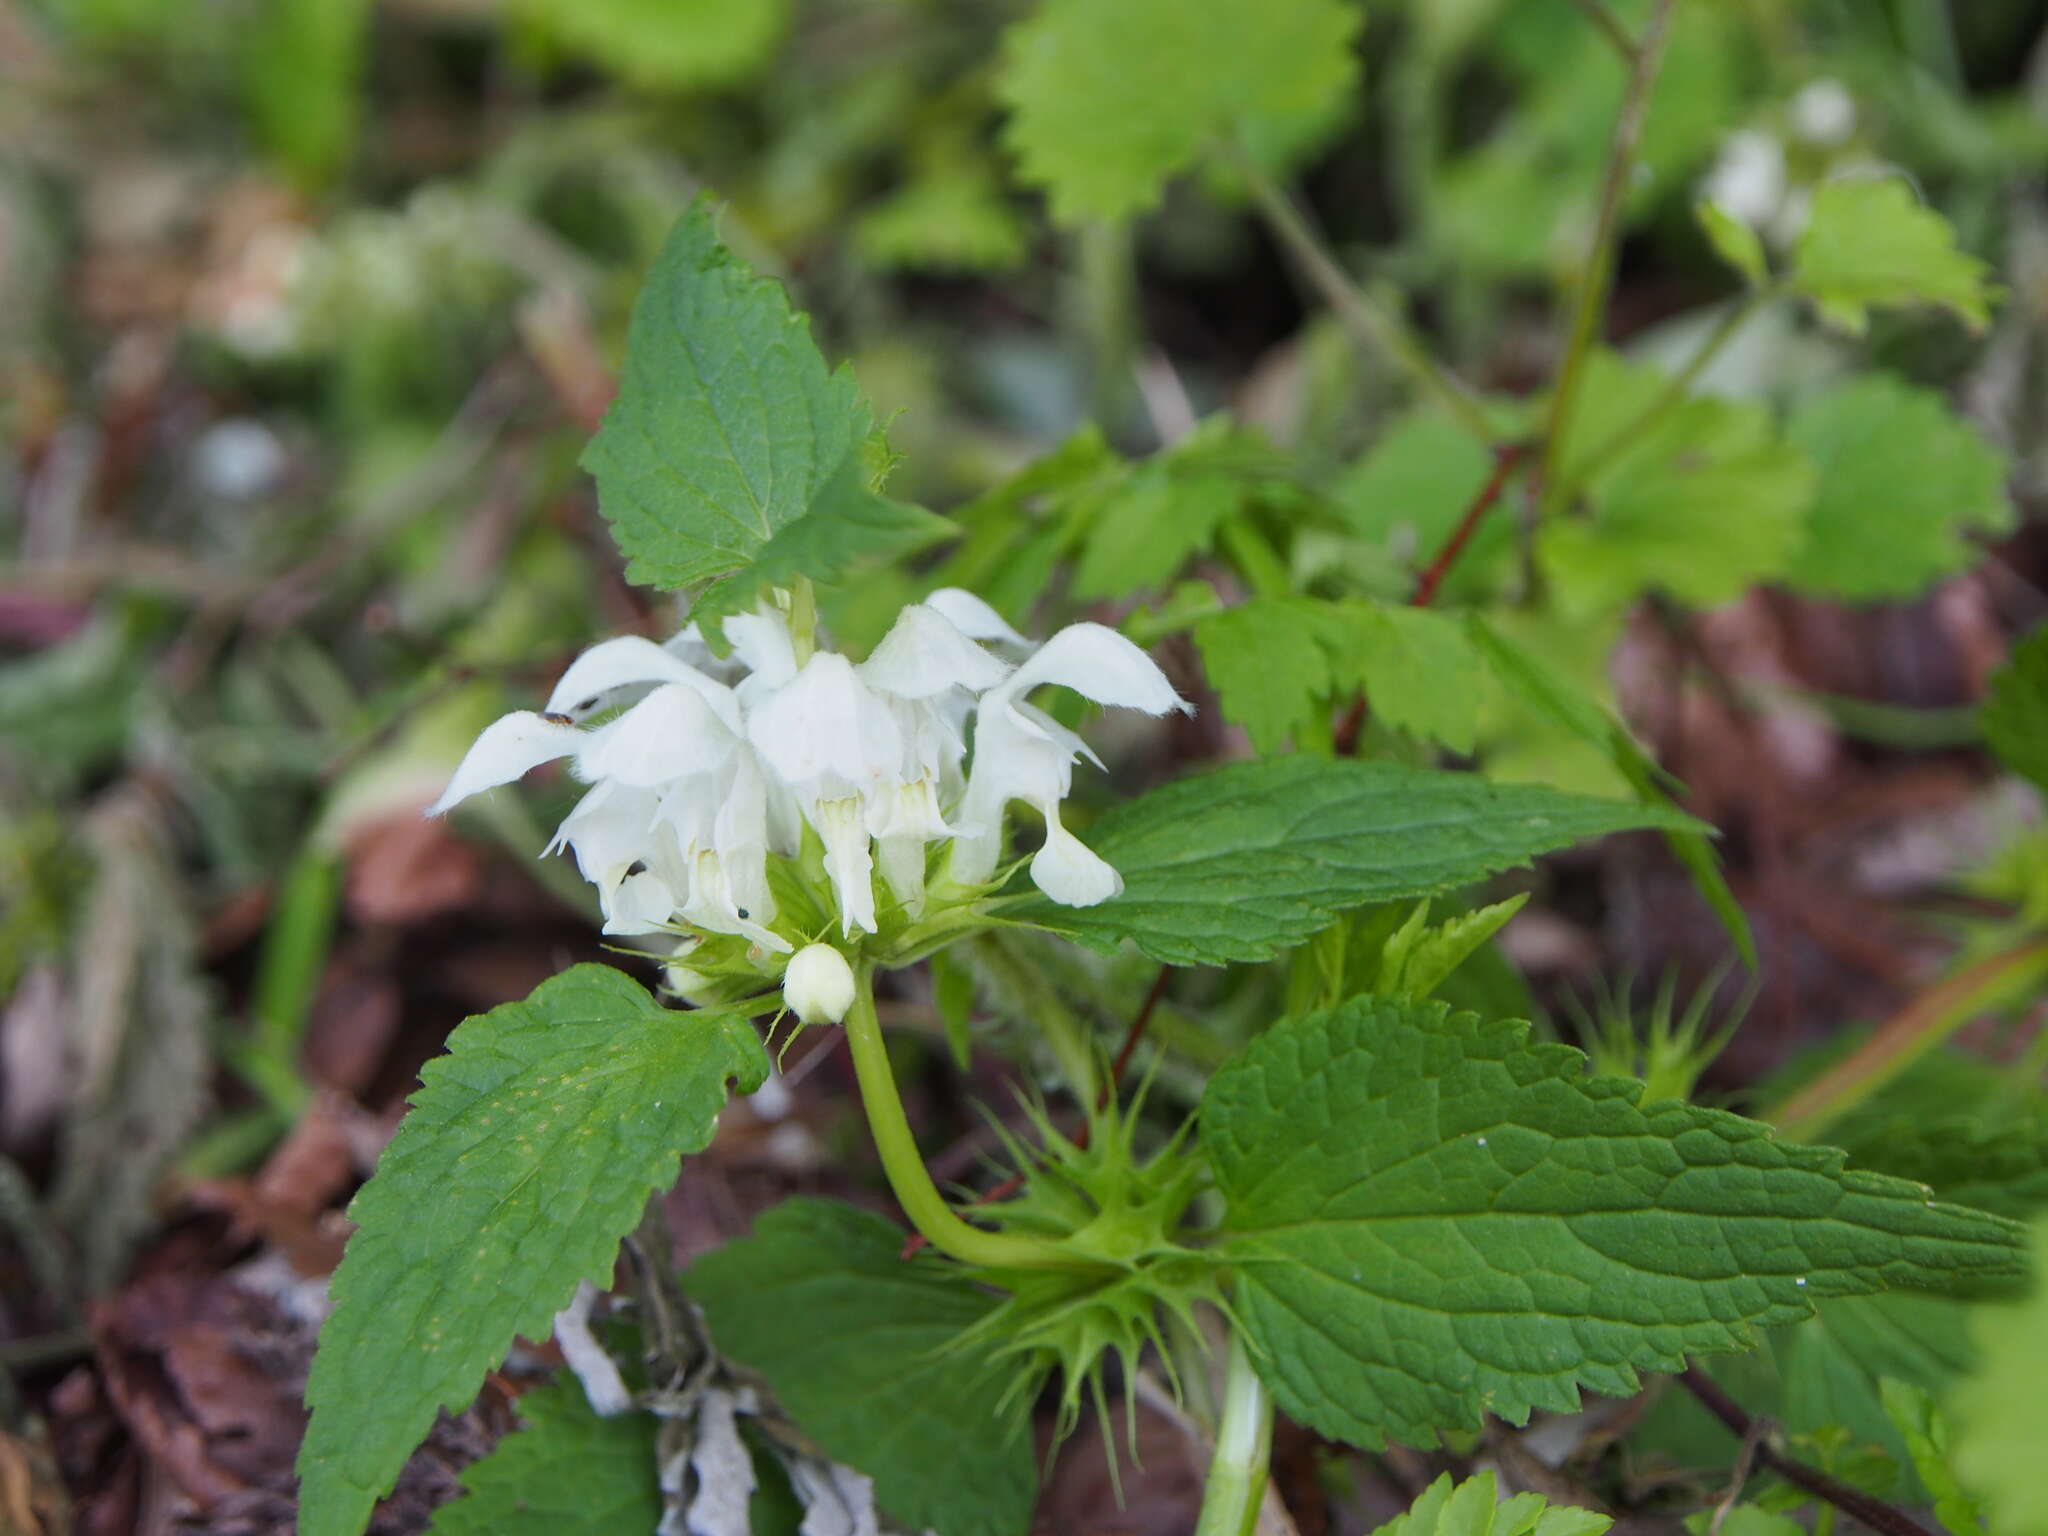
(710, 766)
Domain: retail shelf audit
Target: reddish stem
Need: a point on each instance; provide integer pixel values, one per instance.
(1505, 457)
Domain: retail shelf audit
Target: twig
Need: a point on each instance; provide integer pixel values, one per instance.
(1598, 277)
(1875, 1513)
(1366, 320)
(1610, 27)
(1923, 1023)
(1505, 457)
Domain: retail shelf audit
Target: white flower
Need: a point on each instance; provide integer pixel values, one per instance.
(1022, 753)
(1823, 113)
(818, 984)
(1748, 179)
(702, 769)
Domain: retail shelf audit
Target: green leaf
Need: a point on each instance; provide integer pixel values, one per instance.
(567, 1472)
(730, 443)
(529, 1151)
(302, 66)
(1409, 492)
(676, 44)
(1419, 671)
(1243, 862)
(859, 1345)
(1108, 101)
(1903, 482)
(1870, 243)
(1999, 1411)
(1434, 1218)
(1702, 505)
(1925, 1430)
(1475, 1508)
(1266, 662)
(2015, 713)
(1734, 242)
(1532, 681)
(1170, 507)
(1418, 958)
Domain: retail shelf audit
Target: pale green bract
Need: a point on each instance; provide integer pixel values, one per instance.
(1243, 862)
(859, 1345)
(1181, 73)
(1433, 1218)
(529, 1152)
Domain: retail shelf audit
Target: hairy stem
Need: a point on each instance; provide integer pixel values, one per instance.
(901, 1161)
(1598, 277)
(1875, 1513)
(1372, 326)
(1244, 1444)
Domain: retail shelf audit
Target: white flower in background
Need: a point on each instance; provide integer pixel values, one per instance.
(1823, 113)
(1749, 178)
(709, 766)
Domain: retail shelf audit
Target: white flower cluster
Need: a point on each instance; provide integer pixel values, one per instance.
(714, 764)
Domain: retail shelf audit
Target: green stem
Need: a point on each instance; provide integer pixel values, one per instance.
(1908, 1035)
(1370, 324)
(1675, 389)
(1610, 27)
(1244, 1444)
(915, 1192)
(1598, 277)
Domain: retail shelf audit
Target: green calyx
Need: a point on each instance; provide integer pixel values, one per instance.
(1114, 1220)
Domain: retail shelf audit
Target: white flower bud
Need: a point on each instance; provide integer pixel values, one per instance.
(818, 986)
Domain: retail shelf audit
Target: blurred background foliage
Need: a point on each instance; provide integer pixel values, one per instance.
(308, 306)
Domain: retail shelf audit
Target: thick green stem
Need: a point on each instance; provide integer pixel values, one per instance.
(1598, 277)
(1244, 1445)
(915, 1192)
(1371, 325)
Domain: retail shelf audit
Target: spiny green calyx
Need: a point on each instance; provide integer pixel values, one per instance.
(1117, 1218)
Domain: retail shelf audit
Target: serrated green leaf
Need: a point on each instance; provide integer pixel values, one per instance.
(566, 1472)
(1903, 482)
(1869, 243)
(1409, 491)
(1169, 509)
(1475, 1508)
(678, 44)
(1435, 1218)
(1419, 672)
(1264, 660)
(2015, 712)
(1734, 242)
(1998, 1412)
(1539, 686)
(1243, 862)
(1925, 1430)
(730, 442)
(529, 1151)
(1702, 505)
(860, 1346)
(1111, 99)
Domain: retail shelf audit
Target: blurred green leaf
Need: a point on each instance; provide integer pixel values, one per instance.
(1734, 242)
(1869, 243)
(1998, 1412)
(680, 45)
(2015, 713)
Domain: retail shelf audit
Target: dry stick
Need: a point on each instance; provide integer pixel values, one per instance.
(1015, 1181)
(1875, 1513)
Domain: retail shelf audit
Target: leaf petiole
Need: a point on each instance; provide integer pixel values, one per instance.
(1244, 1445)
